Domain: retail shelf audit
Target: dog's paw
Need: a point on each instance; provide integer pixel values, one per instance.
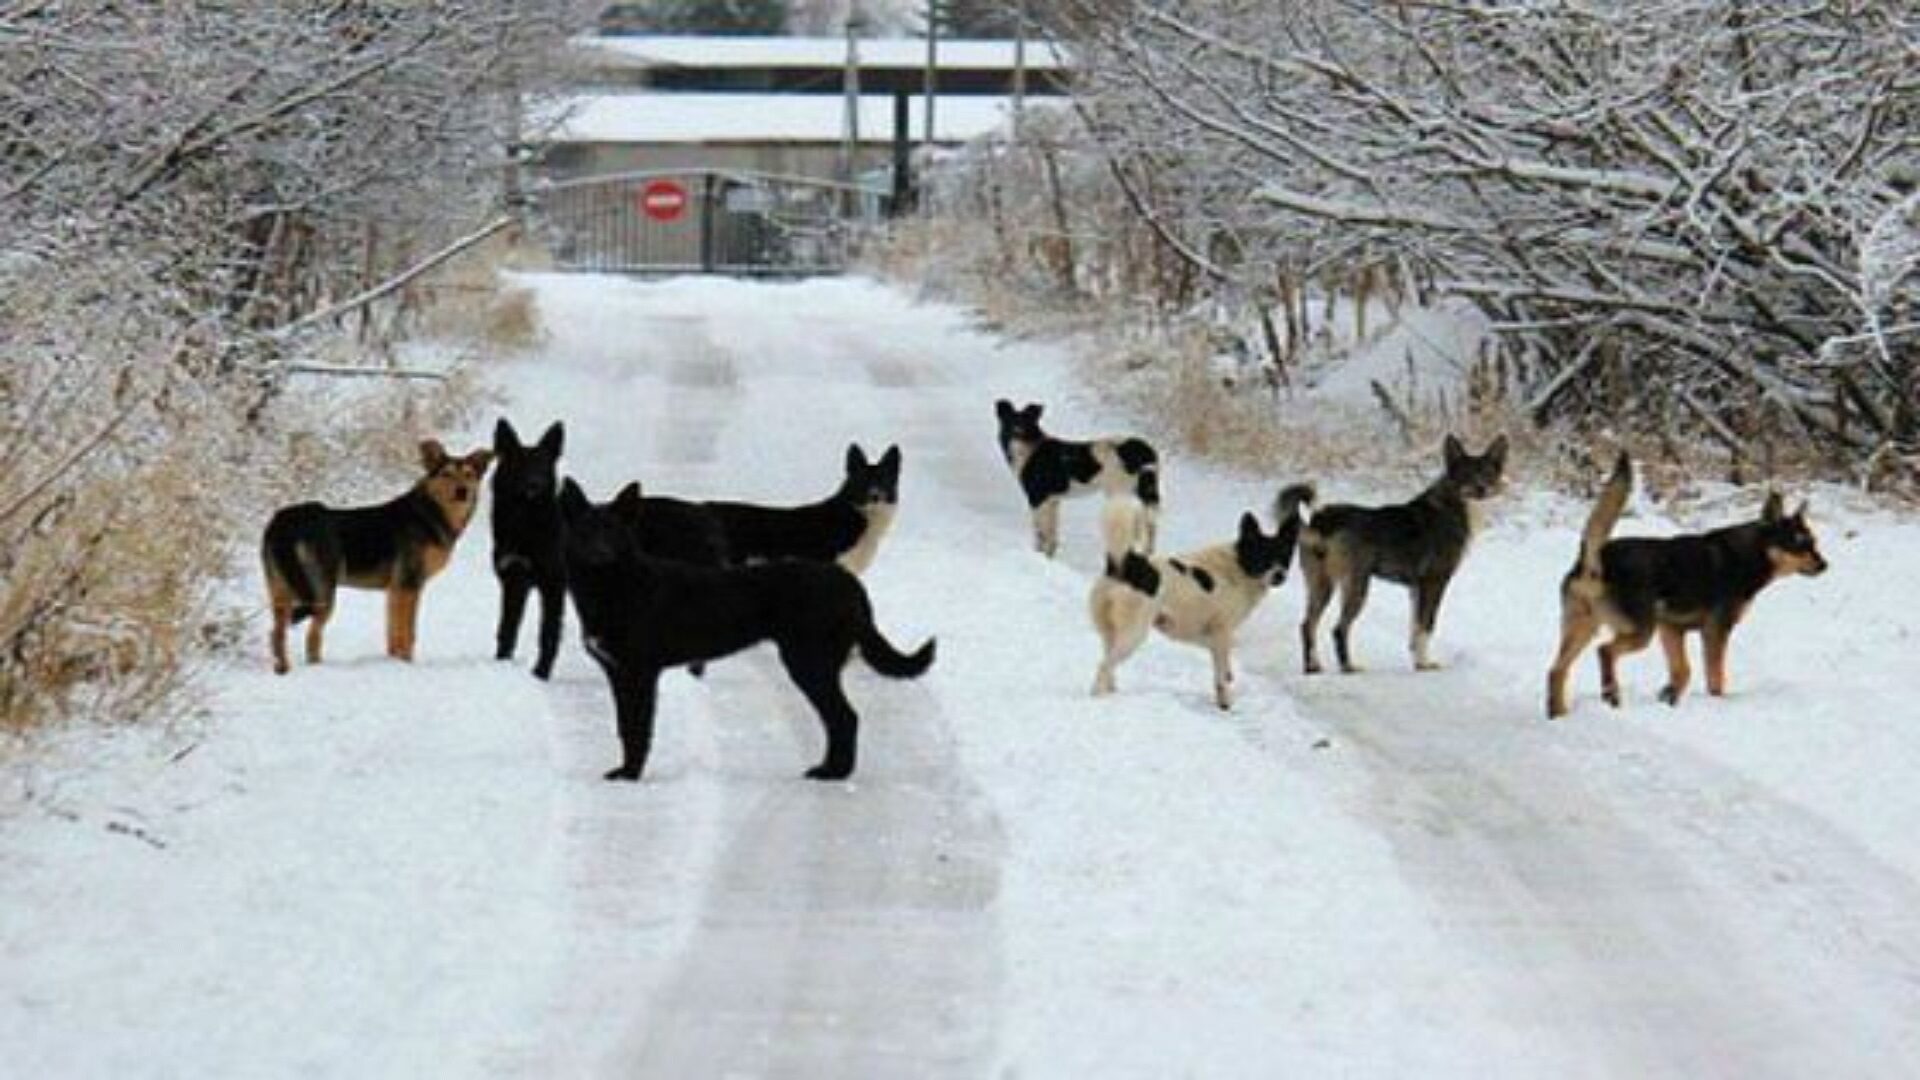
(625, 772)
(1313, 667)
(1610, 695)
(1669, 695)
(543, 672)
(829, 772)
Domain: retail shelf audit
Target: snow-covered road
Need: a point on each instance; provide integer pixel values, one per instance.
(369, 869)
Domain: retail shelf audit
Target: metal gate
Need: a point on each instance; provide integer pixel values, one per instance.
(705, 221)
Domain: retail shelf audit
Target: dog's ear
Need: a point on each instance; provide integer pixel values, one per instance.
(628, 501)
(1498, 453)
(505, 439)
(890, 461)
(478, 461)
(554, 440)
(856, 458)
(1250, 527)
(1775, 508)
(1452, 451)
(1032, 412)
(432, 454)
(1800, 512)
(573, 501)
(1004, 410)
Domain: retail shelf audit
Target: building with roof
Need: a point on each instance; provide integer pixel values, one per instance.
(778, 105)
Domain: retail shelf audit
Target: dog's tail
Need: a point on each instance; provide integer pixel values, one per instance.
(882, 657)
(280, 550)
(1606, 512)
(1292, 498)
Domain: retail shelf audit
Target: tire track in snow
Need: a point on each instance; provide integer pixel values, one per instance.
(1594, 873)
(845, 929)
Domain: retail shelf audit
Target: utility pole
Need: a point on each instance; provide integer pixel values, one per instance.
(850, 146)
(1019, 70)
(933, 66)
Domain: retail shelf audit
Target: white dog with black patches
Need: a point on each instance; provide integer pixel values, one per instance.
(1200, 597)
(1051, 469)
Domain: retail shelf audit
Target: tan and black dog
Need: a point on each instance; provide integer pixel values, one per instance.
(1641, 586)
(1419, 544)
(1200, 597)
(310, 550)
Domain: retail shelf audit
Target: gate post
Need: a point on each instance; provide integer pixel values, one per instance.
(706, 223)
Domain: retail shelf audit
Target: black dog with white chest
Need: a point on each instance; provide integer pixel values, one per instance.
(641, 615)
(845, 527)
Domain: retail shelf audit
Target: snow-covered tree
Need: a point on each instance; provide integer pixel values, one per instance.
(1661, 199)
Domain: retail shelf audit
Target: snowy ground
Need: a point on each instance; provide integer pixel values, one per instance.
(372, 869)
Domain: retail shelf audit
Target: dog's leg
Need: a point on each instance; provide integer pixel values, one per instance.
(1046, 527)
(1426, 615)
(403, 611)
(316, 630)
(1577, 628)
(1123, 628)
(1353, 597)
(553, 601)
(1611, 652)
(1718, 633)
(513, 605)
(818, 677)
(1319, 595)
(1673, 641)
(1221, 646)
(634, 694)
(282, 616)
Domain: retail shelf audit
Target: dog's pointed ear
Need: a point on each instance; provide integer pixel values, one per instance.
(856, 458)
(505, 439)
(1800, 512)
(1774, 509)
(890, 461)
(629, 498)
(1004, 410)
(554, 440)
(1033, 411)
(573, 501)
(1250, 527)
(432, 454)
(479, 460)
(1453, 451)
(1498, 452)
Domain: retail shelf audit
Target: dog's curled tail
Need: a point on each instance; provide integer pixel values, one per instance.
(1606, 513)
(882, 657)
(1292, 498)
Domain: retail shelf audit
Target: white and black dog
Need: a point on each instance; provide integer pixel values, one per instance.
(1051, 469)
(1200, 597)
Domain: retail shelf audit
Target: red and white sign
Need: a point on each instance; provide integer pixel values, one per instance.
(663, 200)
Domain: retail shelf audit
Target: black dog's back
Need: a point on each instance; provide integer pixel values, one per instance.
(679, 530)
(819, 532)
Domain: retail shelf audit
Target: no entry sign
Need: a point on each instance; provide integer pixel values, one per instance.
(663, 200)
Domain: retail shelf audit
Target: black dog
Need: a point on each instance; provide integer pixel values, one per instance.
(845, 527)
(1051, 469)
(526, 538)
(641, 615)
(527, 544)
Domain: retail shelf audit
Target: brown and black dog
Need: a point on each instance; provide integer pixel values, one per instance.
(1642, 586)
(310, 550)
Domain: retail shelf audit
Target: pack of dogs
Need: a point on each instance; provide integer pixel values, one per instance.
(658, 583)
